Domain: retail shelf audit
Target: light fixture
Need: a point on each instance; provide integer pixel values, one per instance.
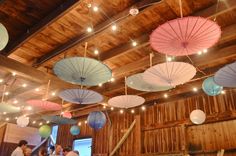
(112, 108)
(37, 89)
(114, 27)
(95, 8)
(89, 5)
(205, 50)
(16, 117)
(222, 92)
(15, 101)
(104, 106)
(112, 79)
(48, 122)
(13, 73)
(100, 84)
(34, 122)
(199, 52)
(132, 111)
(24, 85)
(6, 93)
(7, 119)
(40, 123)
(85, 121)
(194, 89)
(4, 113)
(24, 115)
(89, 29)
(1, 80)
(168, 59)
(28, 108)
(96, 52)
(133, 11)
(121, 111)
(165, 95)
(79, 124)
(134, 43)
(53, 93)
(143, 108)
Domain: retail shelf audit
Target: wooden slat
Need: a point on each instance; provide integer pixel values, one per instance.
(57, 13)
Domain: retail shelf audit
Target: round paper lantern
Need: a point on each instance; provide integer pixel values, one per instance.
(67, 115)
(22, 121)
(197, 116)
(210, 87)
(75, 130)
(45, 131)
(96, 120)
(4, 37)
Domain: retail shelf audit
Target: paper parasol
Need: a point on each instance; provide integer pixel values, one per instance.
(169, 74)
(44, 104)
(126, 101)
(81, 96)
(83, 71)
(8, 108)
(136, 82)
(4, 37)
(185, 36)
(59, 120)
(226, 76)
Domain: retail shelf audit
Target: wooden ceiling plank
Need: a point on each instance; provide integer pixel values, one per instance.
(144, 40)
(56, 14)
(97, 30)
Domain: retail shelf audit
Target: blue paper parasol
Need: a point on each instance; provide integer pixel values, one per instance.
(82, 71)
(59, 120)
(81, 96)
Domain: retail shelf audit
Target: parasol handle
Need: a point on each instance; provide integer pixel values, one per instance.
(181, 8)
(85, 49)
(46, 95)
(3, 93)
(151, 56)
(125, 87)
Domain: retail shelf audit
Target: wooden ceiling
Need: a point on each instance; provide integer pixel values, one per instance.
(43, 32)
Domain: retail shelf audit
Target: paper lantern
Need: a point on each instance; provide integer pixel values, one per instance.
(67, 115)
(45, 131)
(136, 82)
(59, 120)
(169, 74)
(197, 116)
(22, 121)
(82, 71)
(226, 76)
(185, 36)
(81, 96)
(4, 37)
(8, 108)
(210, 87)
(75, 130)
(126, 101)
(44, 104)
(96, 120)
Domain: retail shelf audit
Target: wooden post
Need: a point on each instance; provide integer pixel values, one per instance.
(137, 135)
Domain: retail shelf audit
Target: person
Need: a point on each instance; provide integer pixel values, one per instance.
(42, 151)
(22, 145)
(77, 152)
(68, 152)
(58, 150)
(51, 150)
(27, 151)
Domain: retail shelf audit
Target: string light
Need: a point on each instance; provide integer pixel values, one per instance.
(15, 101)
(169, 59)
(100, 84)
(28, 108)
(48, 122)
(96, 52)
(89, 5)
(13, 73)
(85, 121)
(34, 122)
(53, 93)
(114, 27)
(1, 80)
(24, 85)
(79, 123)
(6, 93)
(134, 43)
(205, 50)
(37, 89)
(104, 107)
(40, 123)
(16, 117)
(89, 29)
(24, 115)
(165, 96)
(112, 79)
(199, 52)
(112, 108)
(7, 119)
(222, 92)
(132, 111)
(121, 111)
(194, 89)
(95, 8)
(4, 113)
(143, 108)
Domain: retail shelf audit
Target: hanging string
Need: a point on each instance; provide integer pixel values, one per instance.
(180, 8)
(217, 7)
(85, 49)
(47, 90)
(125, 87)
(62, 102)
(195, 66)
(151, 56)
(3, 93)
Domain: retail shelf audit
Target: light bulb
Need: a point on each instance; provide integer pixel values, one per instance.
(37, 89)
(112, 79)
(143, 108)
(40, 123)
(79, 123)
(6, 93)
(24, 85)
(13, 73)
(134, 43)
(1, 80)
(7, 119)
(194, 89)
(132, 111)
(53, 93)
(104, 106)
(113, 27)
(48, 122)
(100, 84)
(205, 50)
(96, 52)
(85, 121)
(89, 29)
(222, 92)
(169, 59)
(121, 111)
(4, 113)
(33, 122)
(165, 96)
(95, 8)
(112, 108)
(199, 52)
(15, 101)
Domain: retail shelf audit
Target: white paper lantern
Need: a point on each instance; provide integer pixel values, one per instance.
(22, 121)
(3, 37)
(197, 116)
(133, 11)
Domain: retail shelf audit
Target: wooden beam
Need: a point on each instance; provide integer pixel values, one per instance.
(97, 30)
(56, 14)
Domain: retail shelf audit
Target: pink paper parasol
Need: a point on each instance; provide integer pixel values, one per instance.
(185, 36)
(44, 105)
(169, 74)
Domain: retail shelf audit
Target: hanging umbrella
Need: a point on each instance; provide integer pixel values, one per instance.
(136, 82)
(59, 120)
(81, 96)
(169, 74)
(185, 36)
(82, 71)
(8, 108)
(226, 76)
(4, 37)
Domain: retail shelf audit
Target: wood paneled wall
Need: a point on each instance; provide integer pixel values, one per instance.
(166, 129)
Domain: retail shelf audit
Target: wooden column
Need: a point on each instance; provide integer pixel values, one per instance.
(137, 134)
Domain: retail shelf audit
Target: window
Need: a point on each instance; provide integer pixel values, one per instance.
(54, 133)
(83, 146)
